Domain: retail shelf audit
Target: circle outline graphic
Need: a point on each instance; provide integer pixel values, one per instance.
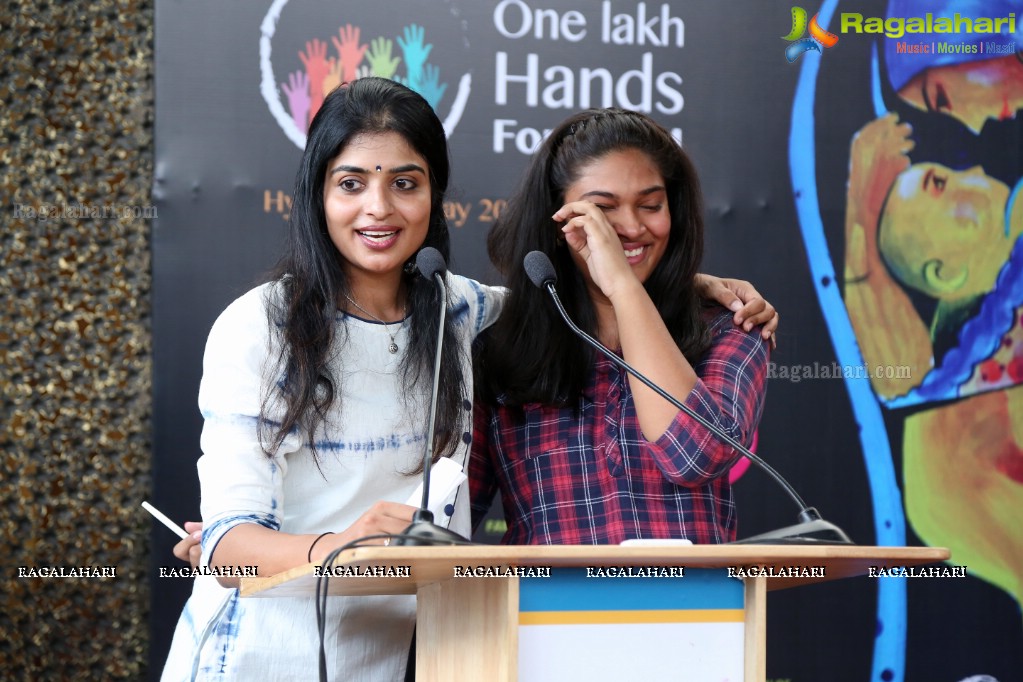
(271, 94)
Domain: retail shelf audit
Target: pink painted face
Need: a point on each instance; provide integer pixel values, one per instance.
(627, 186)
(377, 219)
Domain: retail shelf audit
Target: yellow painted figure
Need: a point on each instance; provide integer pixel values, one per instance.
(923, 228)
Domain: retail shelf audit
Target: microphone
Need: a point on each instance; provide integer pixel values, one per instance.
(423, 530)
(431, 264)
(811, 529)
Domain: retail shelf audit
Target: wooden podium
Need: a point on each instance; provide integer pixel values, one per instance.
(476, 623)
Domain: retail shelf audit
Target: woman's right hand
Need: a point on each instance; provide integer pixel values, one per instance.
(189, 549)
(741, 297)
(589, 233)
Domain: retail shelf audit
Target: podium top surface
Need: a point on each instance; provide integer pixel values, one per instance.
(402, 569)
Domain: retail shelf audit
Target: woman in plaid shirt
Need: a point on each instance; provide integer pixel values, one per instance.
(581, 452)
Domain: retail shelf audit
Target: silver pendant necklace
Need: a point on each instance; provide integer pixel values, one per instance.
(393, 347)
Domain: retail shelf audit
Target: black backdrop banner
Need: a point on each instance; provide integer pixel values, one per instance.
(236, 85)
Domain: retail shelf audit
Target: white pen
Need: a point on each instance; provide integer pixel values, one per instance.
(162, 518)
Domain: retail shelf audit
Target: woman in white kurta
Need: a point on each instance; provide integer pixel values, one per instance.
(315, 395)
(364, 457)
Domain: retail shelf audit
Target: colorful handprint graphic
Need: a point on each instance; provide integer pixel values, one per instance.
(306, 89)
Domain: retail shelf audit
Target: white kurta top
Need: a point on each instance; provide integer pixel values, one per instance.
(365, 450)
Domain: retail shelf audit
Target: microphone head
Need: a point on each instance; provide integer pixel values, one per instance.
(430, 262)
(539, 269)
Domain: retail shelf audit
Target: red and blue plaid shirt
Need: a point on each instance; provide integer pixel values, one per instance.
(588, 476)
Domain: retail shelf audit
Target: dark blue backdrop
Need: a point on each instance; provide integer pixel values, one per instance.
(228, 144)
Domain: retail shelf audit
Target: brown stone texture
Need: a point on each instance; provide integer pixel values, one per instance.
(76, 165)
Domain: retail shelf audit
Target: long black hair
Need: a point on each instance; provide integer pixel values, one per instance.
(312, 280)
(530, 355)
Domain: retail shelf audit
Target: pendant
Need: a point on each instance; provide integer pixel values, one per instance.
(393, 348)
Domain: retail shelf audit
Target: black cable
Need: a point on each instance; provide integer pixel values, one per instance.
(322, 591)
